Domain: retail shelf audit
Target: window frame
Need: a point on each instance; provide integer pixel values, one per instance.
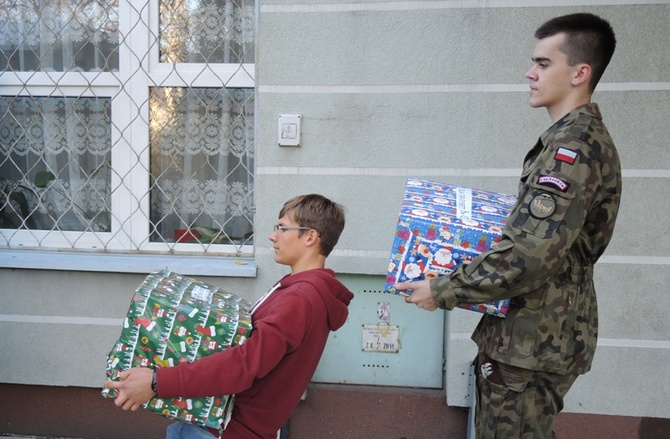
(129, 238)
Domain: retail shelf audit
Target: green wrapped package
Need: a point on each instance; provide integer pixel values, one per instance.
(174, 319)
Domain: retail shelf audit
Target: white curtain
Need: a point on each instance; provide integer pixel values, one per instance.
(67, 137)
(59, 35)
(70, 139)
(202, 163)
(202, 138)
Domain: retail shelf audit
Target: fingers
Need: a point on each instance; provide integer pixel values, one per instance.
(422, 299)
(111, 384)
(127, 404)
(401, 286)
(133, 387)
(115, 381)
(122, 400)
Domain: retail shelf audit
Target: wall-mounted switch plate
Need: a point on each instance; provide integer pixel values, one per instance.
(288, 130)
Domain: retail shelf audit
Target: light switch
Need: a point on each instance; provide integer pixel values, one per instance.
(288, 133)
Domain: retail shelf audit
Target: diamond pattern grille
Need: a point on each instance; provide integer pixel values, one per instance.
(118, 134)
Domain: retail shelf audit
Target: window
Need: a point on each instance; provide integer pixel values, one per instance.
(127, 126)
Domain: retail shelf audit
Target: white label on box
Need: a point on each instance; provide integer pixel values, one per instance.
(381, 338)
(200, 293)
(463, 203)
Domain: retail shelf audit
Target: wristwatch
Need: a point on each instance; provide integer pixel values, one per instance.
(154, 387)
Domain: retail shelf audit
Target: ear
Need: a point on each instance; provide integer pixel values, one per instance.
(581, 75)
(312, 237)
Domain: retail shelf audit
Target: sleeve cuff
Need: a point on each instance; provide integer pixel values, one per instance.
(442, 291)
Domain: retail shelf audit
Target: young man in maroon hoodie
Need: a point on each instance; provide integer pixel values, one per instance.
(270, 371)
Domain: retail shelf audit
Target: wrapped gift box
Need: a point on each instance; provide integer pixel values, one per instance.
(172, 319)
(441, 226)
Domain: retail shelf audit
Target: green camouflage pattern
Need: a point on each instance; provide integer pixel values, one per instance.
(517, 403)
(569, 195)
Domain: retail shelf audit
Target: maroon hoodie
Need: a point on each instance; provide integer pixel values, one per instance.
(270, 371)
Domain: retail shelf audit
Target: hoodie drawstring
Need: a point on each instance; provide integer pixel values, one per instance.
(260, 301)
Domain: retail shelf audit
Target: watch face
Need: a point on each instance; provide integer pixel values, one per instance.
(542, 206)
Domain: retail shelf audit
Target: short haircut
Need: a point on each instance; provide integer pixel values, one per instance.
(319, 213)
(589, 39)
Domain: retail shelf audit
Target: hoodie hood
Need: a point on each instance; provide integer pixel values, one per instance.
(334, 294)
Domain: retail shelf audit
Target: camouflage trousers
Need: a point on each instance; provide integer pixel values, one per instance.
(515, 403)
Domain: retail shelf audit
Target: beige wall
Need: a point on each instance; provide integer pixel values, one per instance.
(392, 89)
(433, 89)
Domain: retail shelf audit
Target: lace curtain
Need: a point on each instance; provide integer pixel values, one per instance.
(68, 138)
(202, 164)
(59, 35)
(207, 31)
(201, 139)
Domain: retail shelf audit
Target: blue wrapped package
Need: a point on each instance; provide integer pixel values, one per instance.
(441, 226)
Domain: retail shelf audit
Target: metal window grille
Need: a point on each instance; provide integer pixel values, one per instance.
(127, 126)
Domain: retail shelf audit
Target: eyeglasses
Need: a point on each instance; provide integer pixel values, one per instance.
(284, 228)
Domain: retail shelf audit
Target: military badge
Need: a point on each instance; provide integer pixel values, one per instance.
(542, 206)
(550, 180)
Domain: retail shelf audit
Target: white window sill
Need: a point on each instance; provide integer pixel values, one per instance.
(120, 263)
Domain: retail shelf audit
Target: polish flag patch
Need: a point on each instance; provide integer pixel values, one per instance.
(566, 155)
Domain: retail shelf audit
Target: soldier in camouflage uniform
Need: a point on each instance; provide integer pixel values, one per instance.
(569, 195)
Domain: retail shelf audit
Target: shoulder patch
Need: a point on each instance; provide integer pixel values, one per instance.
(542, 206)
(550, 180)
(566, 155)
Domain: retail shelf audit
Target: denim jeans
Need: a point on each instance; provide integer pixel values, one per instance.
(182, 430)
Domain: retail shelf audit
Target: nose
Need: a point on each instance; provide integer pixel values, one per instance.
(530, 74)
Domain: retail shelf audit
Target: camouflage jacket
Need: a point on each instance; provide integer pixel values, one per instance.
(569, 195)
